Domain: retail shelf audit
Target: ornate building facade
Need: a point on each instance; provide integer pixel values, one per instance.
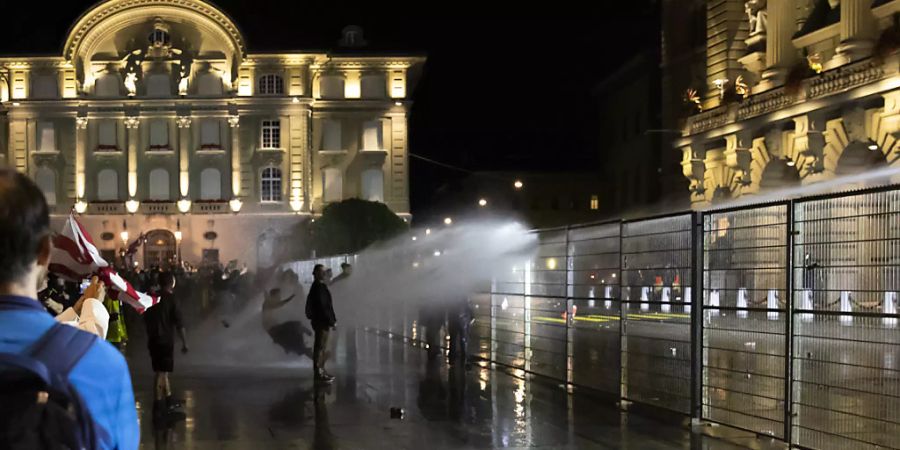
(157, 120)
(796, 92)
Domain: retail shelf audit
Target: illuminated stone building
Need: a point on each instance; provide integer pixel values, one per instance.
(157, 118)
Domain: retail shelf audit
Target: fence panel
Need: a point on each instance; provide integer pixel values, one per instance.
(656, 314)
(744, 323)
(846, 388)
(546, 307)
(593, 290)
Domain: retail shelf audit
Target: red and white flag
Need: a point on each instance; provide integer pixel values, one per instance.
(75, 257)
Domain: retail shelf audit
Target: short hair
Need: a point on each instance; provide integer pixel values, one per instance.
(166, 279)
(24, 223)
(317, 267)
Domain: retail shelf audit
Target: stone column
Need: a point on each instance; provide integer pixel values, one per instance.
(780, 51)
(857, 26)
(81, 135)
(727, 30)
(132, 125)
(234, 122)
(184, 152)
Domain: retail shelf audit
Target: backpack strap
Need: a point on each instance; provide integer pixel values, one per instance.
(60, 349)
(26, 363)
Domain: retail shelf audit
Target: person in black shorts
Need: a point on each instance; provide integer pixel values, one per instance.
(162, 320)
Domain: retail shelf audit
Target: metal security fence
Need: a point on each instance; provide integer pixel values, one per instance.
(846, 366)
(656, 312)
(779, 318)
(593, 291)
(744, 322)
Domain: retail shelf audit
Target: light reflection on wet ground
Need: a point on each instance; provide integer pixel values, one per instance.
(445, 408)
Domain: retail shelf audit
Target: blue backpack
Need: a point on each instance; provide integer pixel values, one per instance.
(41, 409)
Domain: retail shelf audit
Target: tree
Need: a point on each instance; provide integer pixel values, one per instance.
(352, 225)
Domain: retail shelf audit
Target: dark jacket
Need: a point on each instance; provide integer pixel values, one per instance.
(319, 309)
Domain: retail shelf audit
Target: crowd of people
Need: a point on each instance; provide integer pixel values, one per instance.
(72, 359)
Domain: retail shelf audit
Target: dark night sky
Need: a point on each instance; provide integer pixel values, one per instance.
(501, 90)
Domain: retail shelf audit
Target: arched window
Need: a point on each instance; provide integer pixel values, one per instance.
(107, 185)
(44, 86)
(331, 86)
(332, 184)
(271, 84)
(107, 85)
(46, 181)
(210, 184)
(209, 84)
(373, 86)
(270, 185)
(158, 85)
(159, 184)
(373, 185)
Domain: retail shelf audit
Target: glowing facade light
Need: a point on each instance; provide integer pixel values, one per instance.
(80, 206)
(427, 231)
(482, 202)
(790, 163)
(551, 263)
(872, 145)
(236, 205)
(132, 206)
(184, 205)
(178, 236)
(296, 100)
(414, 238)
(124, 236)
(518, 184)
(448, 221)
(437, 253)
(296, 204)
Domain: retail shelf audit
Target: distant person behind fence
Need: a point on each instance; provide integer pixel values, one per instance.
(320, 312)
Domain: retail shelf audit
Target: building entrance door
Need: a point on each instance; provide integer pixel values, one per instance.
(159, 249)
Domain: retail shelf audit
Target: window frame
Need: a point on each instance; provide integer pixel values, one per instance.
(270, 125)
(271, 182)
(270, 84)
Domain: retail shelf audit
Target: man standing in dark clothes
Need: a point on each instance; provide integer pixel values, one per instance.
(162, 320)
(459, 317)
(320, 312)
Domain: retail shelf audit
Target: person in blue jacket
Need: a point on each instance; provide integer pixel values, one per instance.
(101, 375)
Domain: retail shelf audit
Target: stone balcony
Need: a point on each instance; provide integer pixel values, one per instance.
(158, 207)
(210, 207)
(106, 208)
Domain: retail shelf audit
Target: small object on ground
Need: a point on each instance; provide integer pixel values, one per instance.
(226, 324)
(397, 412)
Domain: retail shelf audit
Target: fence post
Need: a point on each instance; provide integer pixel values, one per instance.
(622, 359)
(789, 324)
(696, 316)
(570, 306)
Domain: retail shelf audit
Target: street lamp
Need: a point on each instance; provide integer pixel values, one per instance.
(80, 206)
(178, 237)
(518, 184)
(482, 202)
(427, 231)
(448, 221)
(124, 233)
(236, 205)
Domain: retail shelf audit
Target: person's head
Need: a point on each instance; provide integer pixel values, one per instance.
(346, 268)
(167, 282)
(319, 272)
(24, 234)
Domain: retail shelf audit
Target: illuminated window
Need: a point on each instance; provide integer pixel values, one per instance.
(595, 202)
(270, 185)
(271, 134)
(271, 85)
(373, 135)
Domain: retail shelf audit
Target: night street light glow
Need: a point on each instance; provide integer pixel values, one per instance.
(448, 221)
(518, 184)
(482, 203)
